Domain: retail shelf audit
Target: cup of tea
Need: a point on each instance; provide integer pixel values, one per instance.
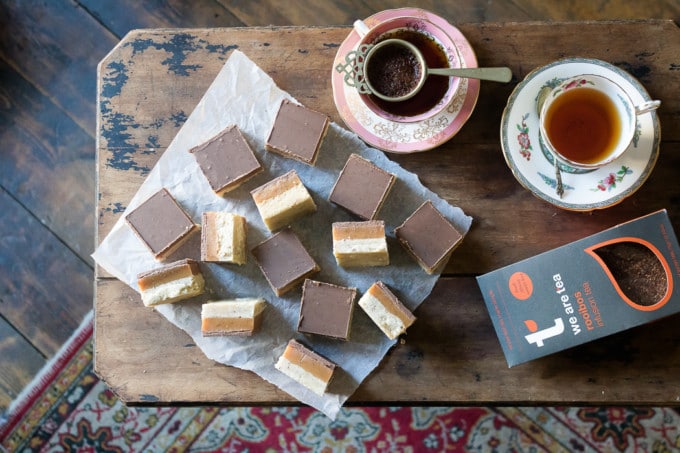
(438, 50)
(588, 121)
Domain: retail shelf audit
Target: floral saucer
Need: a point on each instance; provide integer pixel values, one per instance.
(533, 165)
(397, 137)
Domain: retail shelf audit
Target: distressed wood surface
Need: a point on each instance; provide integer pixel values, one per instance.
(153, 79)
(468, 170)
(451, 352)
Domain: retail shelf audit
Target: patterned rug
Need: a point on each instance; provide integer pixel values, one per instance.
(69, 409)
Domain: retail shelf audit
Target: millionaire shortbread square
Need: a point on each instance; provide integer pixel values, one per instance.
(362, 187)
(284, 261)
(171, 283)
(306, 367)
(226, 160)
(429, 237)
(161, 224)
(297, 132)
(357, 244)
(326, 309)
(223, 237)
(386, 310)
(282, 200)
(232, 317)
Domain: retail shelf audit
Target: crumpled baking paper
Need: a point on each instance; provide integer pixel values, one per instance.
(243, 94)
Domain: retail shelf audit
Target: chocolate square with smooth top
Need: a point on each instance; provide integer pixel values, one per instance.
(326, 309)
(226, 160)
(161, 224)
(297, 132)
(284, 261)
(362, 187)
(428, 236)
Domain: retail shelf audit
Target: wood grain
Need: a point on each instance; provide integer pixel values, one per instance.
(47, 162)
(610, 9)
(130, 366)
(43, 282)
(49, 52)
(453, 354)
(40, 41)
(469, 11)
(452, 351)
(453, 170)
(15, 349)
(124, 15)
(46, 178)
(299, 12)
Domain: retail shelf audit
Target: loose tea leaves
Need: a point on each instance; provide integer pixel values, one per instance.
(637, 270)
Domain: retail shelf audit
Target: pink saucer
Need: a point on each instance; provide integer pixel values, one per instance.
(397, 137)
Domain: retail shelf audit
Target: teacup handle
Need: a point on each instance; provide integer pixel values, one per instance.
(361, 28)
(648, 106)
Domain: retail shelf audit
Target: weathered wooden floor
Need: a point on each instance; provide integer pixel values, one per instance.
(49, 52)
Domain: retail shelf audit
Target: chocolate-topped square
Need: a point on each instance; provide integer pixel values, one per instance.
(361, 187)
(226, 160)
(284, 261)
(428, 236)
(161, 224)
(297, 132)
(326, 309)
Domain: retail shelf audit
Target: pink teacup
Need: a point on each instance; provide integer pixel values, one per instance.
(438, 49)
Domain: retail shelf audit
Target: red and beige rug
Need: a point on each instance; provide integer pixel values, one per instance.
(69, 409)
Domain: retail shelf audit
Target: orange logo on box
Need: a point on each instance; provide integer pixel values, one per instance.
(531, 325)
(520, 285)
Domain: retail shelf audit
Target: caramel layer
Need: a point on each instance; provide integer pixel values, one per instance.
(227, 326)
(308, 360)
(209, 237)
(276, 187)
(232, 317)
(390, 302)
(173, 271)
(358, 230)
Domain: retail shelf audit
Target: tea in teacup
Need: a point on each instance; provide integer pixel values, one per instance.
(583, 125)
(588, 121)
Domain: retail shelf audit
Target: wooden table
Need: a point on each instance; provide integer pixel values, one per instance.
(149, 84)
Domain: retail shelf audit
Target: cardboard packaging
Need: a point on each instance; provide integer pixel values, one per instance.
(605, 283)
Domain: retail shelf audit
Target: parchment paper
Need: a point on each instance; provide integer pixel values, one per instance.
(243, 94)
